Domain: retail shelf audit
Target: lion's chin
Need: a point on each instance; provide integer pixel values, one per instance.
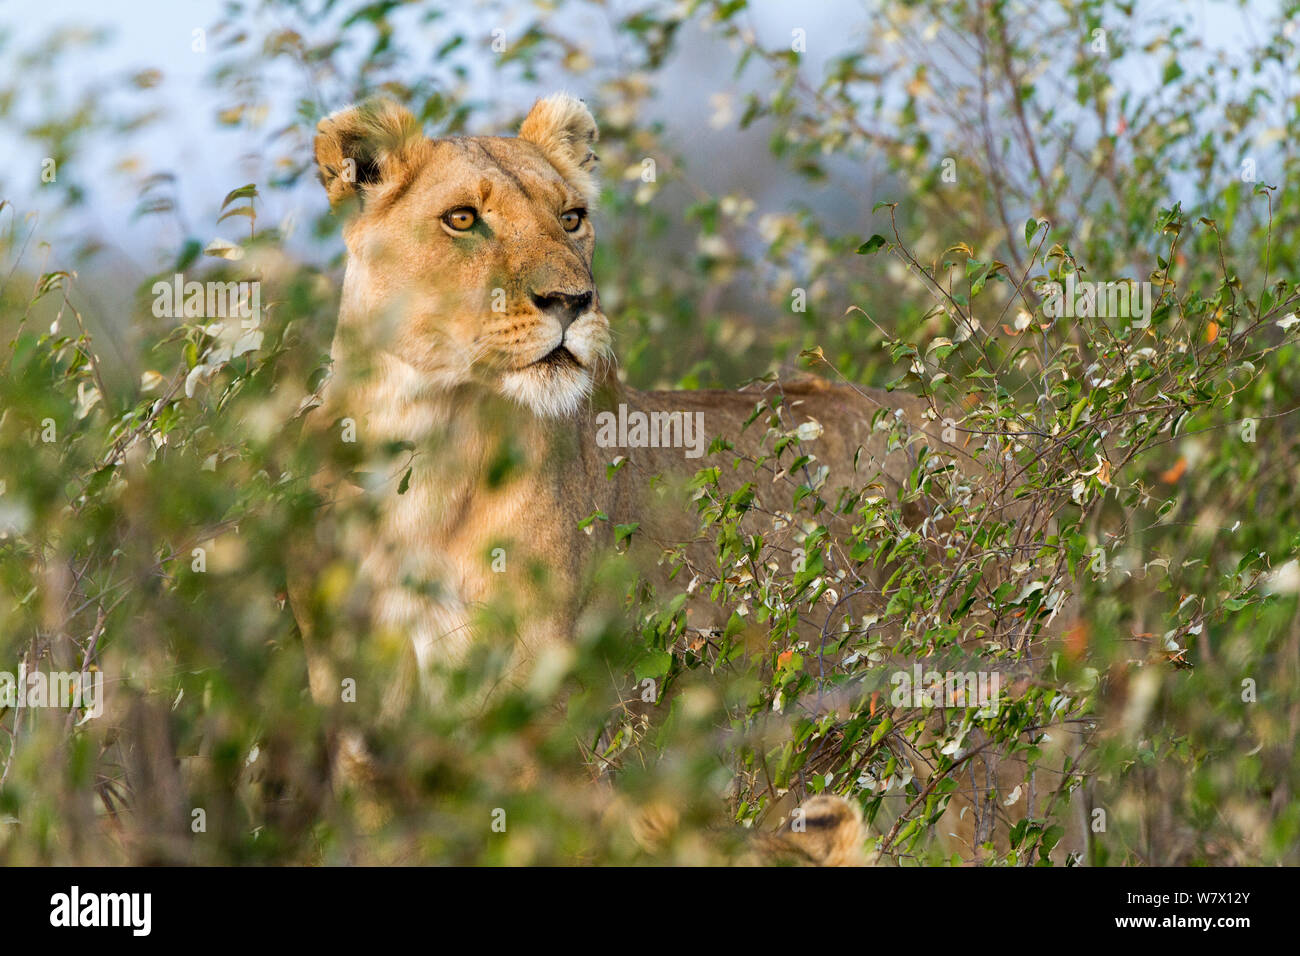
(555, 387)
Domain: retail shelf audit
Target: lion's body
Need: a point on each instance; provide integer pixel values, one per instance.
(482, 351)
(442, 336)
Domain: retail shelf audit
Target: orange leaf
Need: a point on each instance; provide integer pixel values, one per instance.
(1176, 472)
(1211, 331)
(784, 658)
(1076, 640)
(871, 708)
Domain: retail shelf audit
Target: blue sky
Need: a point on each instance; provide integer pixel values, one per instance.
(210, 160)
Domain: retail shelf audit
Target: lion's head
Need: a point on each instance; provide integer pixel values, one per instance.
(469, 258)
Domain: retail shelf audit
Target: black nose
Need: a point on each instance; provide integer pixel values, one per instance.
(563, 306)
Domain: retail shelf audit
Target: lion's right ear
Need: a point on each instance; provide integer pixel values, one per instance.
(367, 149)
(562, 127)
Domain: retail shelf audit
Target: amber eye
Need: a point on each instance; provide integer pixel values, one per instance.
(572, 219)
(461, 219)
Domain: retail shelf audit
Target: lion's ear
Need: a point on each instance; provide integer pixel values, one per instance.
(562, 127)
(367, 148)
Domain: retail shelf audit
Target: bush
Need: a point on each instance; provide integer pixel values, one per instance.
(1133, 492)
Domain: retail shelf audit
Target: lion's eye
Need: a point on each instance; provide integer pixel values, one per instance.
(572, 219)
(461, 219)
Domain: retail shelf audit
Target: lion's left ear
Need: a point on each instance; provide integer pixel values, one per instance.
(562, 127)
(367, 149)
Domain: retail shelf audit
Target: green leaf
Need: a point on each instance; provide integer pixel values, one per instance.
(1075, 412)
(874, 244)
(1031, 228)
(1052, 836)
(245, 211)
(654, 664)
(243, 192)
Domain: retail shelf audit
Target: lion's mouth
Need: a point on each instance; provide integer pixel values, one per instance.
(559, 357)
(553, 386)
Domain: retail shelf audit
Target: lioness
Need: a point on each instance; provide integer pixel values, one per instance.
(471, 333)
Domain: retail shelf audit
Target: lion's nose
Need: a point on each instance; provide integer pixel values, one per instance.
(563, 306)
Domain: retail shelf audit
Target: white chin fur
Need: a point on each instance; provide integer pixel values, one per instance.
(561, 391)
(549, 391)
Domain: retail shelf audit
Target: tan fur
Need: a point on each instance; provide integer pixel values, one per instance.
(824, 830)
(565, 131)
(375, 143)
(421, 356)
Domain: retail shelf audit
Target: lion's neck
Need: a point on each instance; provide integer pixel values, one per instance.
(488, 482)
(468, 444)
